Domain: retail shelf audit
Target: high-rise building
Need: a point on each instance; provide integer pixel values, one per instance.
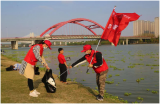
(141, 27)
(135, 28)
(152, 28)
(147, 27)
(156, 21)
(138, 27)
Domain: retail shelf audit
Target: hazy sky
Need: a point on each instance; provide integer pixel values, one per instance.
(19, 18)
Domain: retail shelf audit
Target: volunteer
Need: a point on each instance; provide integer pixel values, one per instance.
(62, 66)
(34, 55)
(98, 64)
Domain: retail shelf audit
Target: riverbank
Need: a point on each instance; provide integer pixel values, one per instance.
(14, 89)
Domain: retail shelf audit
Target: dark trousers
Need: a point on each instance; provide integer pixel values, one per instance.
(63, 68)
(30, 84)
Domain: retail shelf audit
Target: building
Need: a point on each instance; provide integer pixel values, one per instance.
(156, 20)
(141, 27)
(138, 27)
(147, 27)
(152, 28)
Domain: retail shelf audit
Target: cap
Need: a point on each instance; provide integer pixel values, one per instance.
(86, 47)
(48, 43)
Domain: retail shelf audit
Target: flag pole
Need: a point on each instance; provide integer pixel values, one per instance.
(93, 55)
(96, 50)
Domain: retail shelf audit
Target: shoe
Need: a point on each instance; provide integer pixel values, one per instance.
(100, 98)
(97, 95)
(33, 94)
(36, 92)
(65, 82)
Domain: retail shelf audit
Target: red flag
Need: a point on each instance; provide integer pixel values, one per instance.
(116, 23)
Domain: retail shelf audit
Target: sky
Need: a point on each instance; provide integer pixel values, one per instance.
(20, 18)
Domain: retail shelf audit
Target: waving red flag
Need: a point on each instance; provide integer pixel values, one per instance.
(116, 23)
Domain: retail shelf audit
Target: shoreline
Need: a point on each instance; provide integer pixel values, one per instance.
(83, 94)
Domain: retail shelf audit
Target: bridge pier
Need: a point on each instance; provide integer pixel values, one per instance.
(60, 43)
(65, 43)
(54, 43)
(126, 41)
(123, 42)
(14, 44)
(112, 44)
(32, 42)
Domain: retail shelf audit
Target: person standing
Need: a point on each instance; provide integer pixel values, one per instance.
(34, 55)
(62, 66)
(98, 64)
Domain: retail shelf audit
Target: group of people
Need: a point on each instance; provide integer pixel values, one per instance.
(35, 54)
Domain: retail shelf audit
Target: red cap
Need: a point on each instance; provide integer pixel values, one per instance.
(48, 43)
(86, 47)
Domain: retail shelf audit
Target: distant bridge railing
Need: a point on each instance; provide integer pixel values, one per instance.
(66, 37)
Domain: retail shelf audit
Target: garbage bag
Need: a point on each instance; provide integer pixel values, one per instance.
(49, 81)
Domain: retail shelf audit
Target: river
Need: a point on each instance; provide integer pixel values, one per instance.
(132, 62)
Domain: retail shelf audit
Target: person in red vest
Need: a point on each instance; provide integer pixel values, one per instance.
(34, 55)
(62, 66)
(98, 64)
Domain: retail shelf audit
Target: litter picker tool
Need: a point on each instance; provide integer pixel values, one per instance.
(62, 73)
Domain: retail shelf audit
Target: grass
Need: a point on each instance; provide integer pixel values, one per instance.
(14, 89)
(138, 80)
(154, 92)
(123, 60)
(139, 98)
(117, 75)
(110, 57)
(127, 94)
(109, 82)
(131, 66)
(151, 65)
(124, 79)
(147, 89)
(114, 68)
(68, 79)
(137, 64)
(156, 71)
(110, 76)
(148, 65)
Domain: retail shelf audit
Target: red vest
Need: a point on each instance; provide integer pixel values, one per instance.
(99, 69)
(30, 57)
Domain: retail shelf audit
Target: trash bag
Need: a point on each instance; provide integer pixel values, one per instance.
(49, 82)
(9, 68)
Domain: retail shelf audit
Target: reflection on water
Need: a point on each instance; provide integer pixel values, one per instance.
(121, 57)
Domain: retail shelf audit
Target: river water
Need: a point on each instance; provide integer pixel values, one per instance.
(133, 62)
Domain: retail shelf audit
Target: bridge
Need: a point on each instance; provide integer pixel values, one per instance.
(67, 35)
(14, 41)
